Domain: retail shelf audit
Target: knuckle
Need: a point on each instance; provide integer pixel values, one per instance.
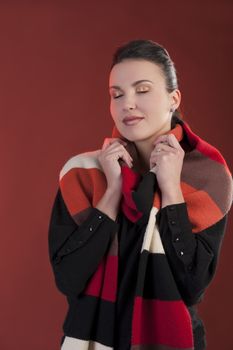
(180, 151)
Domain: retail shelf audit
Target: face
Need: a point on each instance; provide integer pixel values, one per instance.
(137, 87)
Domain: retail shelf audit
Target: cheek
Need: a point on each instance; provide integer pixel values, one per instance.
(149, 101)
(114, 113)
(150, 105)
(155, 103)
(114, 108)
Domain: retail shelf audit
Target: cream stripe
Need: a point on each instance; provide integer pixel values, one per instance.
(152, 241)
(71, 343)
(83, 160)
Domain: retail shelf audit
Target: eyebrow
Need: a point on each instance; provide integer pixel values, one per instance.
(134, 84)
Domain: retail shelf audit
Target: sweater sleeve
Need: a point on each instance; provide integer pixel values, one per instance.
(192, 256)
(75, 251)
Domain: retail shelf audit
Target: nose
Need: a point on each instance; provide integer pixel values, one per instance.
(129, 103)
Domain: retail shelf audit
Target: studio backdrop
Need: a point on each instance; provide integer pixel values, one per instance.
(54, 103)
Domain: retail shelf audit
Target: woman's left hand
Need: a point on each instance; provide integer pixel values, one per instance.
(167, 164)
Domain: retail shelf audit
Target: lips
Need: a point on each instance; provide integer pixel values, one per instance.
(129, 119)
(133, 121)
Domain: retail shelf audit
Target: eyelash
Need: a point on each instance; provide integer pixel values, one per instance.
(140, 92)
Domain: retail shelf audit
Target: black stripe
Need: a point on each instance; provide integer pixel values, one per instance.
(158, 282)
(90, 318)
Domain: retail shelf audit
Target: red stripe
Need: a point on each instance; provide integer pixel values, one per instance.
(161, 322)
(130, 180)
(109, 291)
(106, 276)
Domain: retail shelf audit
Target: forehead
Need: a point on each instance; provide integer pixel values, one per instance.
(131, 70)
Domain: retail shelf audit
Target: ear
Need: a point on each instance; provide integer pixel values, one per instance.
(175, 99)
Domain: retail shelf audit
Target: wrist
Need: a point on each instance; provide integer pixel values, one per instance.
(109, 203)
(114, 191)
(172, 196)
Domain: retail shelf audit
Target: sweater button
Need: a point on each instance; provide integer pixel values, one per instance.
(181, 253)
(190, 266)
(57, 259)
(172, 222)
(177, 239)
(91, 228)
(100, 217)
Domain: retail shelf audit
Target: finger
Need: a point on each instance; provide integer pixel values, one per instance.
(155, 168)
(170, 140)
(161, 138)
(163, 147)
(116, 146)
(125, 157)
(116, 139)
(109, 141)
(173, 141)
(157, 155)
(121, 151)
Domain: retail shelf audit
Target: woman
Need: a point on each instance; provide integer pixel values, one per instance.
(136, 227)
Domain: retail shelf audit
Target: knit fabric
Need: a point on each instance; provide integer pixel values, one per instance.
(160, 318)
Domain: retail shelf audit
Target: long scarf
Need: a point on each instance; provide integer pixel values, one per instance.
(160, 319)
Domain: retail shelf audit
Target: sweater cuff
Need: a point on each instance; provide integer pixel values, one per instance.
(180, 232)
(92, 224)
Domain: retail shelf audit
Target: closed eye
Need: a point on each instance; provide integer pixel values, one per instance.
(140, 92)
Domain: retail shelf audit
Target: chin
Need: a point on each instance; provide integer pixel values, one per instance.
(136, 138)
(138, 134)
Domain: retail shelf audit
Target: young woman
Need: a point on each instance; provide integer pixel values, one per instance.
(136, 226)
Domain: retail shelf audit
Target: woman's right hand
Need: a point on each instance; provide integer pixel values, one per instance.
(112, 150)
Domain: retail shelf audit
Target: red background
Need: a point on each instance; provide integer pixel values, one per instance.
(54, 103)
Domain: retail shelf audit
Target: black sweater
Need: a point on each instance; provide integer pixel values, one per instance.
(192, 257)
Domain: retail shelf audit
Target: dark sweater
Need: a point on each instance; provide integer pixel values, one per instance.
(192, 257)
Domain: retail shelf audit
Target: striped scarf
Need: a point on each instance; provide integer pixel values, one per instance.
(160, 319)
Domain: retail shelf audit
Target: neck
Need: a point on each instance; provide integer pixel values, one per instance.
(145, 147)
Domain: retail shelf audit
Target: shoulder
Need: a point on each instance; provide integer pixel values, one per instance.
(85, 160)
